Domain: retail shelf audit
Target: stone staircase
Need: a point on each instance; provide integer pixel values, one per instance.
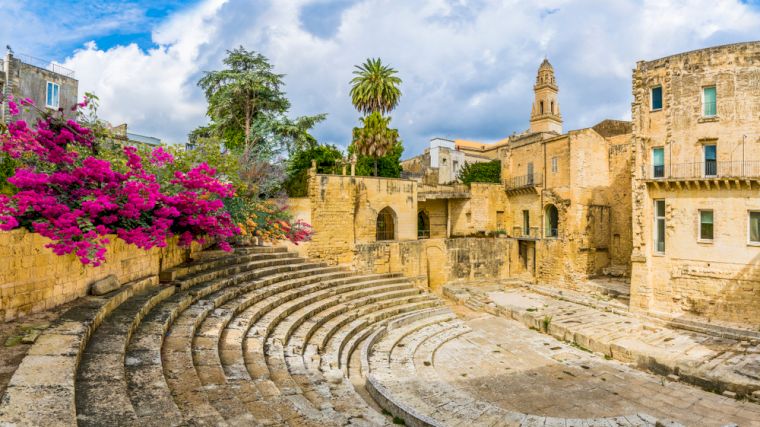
(257, 337)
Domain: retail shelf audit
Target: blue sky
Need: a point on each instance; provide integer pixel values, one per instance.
(468, 65)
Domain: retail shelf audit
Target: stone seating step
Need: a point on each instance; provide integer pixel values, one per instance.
(42, 390)
(101, 383)
(184, 366)
(255, 340)
(206, 343)
(148, 389)
(337, 336)
(285, 361)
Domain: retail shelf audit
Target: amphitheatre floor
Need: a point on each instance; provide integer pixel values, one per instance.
(503, 362)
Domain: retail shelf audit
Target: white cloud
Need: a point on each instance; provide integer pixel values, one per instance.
(468, 65)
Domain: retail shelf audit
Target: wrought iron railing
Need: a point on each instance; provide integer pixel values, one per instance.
(47, 65)
(523, 181)
(704, 170)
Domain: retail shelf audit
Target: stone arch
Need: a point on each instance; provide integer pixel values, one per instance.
(386, 224)
(551, 220)
(423, 225)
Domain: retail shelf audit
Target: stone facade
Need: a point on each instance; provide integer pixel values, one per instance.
(696, 148)
(33, 278)
(28, 77)
(441, 162)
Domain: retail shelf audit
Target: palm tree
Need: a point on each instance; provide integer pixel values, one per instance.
(374, 139)
(375, 87)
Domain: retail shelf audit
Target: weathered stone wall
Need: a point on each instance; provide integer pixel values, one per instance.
(437, 215)
(715, 279)
(333, 205)
(437, 261)
(484, 212)
(344, 212)
(33, 278)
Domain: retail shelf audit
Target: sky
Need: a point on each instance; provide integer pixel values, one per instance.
(468, 66)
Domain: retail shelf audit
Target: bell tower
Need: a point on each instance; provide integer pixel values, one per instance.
(545, 116)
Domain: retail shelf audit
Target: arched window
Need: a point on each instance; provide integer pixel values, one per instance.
(552, 221)
(552, 107)
(386, 225)
(542, 106)
(423, 225)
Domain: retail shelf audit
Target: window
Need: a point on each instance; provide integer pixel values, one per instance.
(530, 173)
(705, 225)
(555, 164)
(709, 101)
(659, 226)
(423, 225)
(552, 221)
(658, 162)
(551, 110)
(754, 227)
(711, 164)
(386, 225)
(51, 96)
(542, 106)
(656, 98)
(526, 223)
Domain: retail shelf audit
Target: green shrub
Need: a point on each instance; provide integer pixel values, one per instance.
(481, 172)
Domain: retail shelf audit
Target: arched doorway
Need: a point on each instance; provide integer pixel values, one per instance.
(552, 221)
(423, 225)
(386, 225)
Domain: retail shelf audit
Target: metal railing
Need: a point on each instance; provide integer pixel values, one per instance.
(704, 170)
(524, 181)
(423, 234)
(44, 64)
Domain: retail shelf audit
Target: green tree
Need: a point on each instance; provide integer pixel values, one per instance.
(374, 138)
(327, 157)
(480, 172)
(375, 87)
(247, 105)
(388, 166)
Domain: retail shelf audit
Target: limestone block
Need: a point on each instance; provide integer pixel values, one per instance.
(105, 285)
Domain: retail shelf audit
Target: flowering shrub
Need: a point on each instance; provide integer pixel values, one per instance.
(68, 194)
(268, 220)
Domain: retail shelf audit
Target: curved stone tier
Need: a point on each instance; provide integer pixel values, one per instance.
(257, 337)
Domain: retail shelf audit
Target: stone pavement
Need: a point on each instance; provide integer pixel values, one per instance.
(715, 363)
(503, 362)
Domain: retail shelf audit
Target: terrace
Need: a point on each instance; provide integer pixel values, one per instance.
(707, 174)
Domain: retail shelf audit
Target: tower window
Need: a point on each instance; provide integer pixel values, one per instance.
(542, 107)
(552, 107)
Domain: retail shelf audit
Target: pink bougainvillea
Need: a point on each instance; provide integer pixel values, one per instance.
(75, 199)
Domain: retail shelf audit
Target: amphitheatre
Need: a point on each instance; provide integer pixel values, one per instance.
(427, 303)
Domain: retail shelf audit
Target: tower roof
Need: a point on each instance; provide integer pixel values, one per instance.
(545, 65)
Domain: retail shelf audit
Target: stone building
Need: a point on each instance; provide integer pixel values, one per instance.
(561, 214)
(441, 162)
(568, 201)
(48, 84)
(696, 205)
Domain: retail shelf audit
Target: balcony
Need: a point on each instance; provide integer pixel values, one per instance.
(45, 65)
(524, 183)
(526, 233)
(710, 173)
